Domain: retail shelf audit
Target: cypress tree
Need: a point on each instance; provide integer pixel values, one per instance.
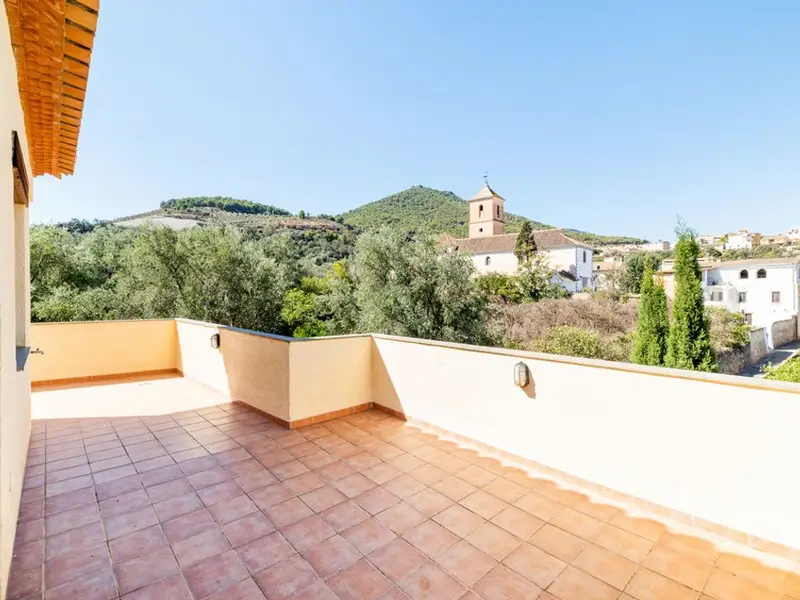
(689, 342)
(526, 243)
(652, 328)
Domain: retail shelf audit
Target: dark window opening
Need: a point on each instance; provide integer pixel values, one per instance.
(742, 297)
(776, 297)
(761, 274)
(743, 274)
(480, 210)
(488, 260)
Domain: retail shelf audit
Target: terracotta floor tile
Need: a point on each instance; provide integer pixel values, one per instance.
(401, 518)
(792, 585)
(558, 543)
(232, 509)
(200, 547)
(597, 509)
(331, 556)
(429, 502)
(138, 543)
(247, 529)
(697, 548)
(466, 563)
(381, 473)
(286, 578)
(246, 589)
(70, 500)
(646, 528)
(535, 565)
(726, 586)
(69, 519)
(483, 504)
(459, 520)
(505, 490)
(578, 523)
(404, 486)
(672, 564)
(124, 503)
(621, 542)
(335, 471)
(169, 489)
(361, 581)
(431, 582)
(172, 588)
(125, 523)
(345, 515)
(256, 481)
(369, 535)
(322, 498)
(27, 556)
(288, 512)
(760, 574)
(502, 584)
(177, 507)
(306, 532)
(265, 552)
(143, 570)
(215, 494)
(476, 475)
(518, 522)
(25, 584)
(97, 586)
(397, 560)
(316, 591)
(493, 541)
(606, 566)
(647, 585)
(77, 564)
(271, 495)
(406, 462)
(376, 500)
(430, 538)
(215, 574)
(304, 483)
(454, 488)
(188, 525)
(429, 474)
(574, 584)
(74, 539)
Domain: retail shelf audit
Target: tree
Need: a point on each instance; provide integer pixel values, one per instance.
(535, 280)
(689, 341)
(526, 243)
(652, 327)
(301, 214)
(414, 288)
(633, 274)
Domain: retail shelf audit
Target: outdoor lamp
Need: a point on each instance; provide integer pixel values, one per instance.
(522, 374)
(215, 340)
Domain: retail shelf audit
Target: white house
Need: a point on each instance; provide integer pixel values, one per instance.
(492, 250)
(765, 290)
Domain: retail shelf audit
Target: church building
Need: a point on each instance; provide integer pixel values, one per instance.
(492, 249)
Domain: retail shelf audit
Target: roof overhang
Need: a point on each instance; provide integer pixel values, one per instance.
(52, 41)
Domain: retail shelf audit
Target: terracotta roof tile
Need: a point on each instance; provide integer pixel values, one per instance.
(545, 240)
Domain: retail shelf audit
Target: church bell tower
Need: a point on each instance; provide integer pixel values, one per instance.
(486, 213)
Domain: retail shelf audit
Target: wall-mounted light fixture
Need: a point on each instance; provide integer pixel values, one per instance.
(215, 340)
(522, 374)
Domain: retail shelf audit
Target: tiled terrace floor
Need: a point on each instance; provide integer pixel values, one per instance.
(220, 503)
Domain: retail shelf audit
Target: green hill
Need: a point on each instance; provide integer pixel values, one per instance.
(425, 210)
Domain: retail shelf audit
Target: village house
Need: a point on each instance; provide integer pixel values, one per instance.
(492, 249)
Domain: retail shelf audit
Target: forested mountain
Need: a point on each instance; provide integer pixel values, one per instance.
(418, 209)
(426, 210)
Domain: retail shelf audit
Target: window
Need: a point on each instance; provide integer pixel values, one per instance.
(480, 229)
(498, 212)
(21, 275)
(748, 318)
(719, 296)
(776, 297)
(488, 261)
(480, 210)
(742, 297)
(761, 274)
(743, 274)
(584, 256)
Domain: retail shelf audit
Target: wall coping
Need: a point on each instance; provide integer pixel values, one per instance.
(715, 378)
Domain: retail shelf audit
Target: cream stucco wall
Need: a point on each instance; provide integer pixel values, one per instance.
(329, 374)
(248, 366)
(14, 385)
(704, 445)
(101, 348)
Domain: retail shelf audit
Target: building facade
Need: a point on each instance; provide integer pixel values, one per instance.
(492, 249)
(45, 49)
(764, 290)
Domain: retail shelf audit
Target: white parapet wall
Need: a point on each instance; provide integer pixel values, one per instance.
(715, 447)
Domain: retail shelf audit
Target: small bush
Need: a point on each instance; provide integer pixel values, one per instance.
(575, 341)
(728, 330)
(788, 371)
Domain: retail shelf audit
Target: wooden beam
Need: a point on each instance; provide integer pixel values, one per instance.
(81, 16)
(79, 36)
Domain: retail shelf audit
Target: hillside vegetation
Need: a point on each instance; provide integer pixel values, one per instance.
(425, 210)
(233, 205)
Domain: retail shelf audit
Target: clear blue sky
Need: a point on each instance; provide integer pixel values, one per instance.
(611, 117)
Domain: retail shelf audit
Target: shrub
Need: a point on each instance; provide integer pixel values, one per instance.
(576, 341)
(728, 330)
(788, 371)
